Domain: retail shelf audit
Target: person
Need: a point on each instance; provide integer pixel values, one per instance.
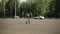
(28, 18)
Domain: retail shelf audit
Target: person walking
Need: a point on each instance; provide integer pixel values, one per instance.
(28, 17)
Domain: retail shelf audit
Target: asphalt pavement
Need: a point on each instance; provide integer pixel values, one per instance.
(36, 26)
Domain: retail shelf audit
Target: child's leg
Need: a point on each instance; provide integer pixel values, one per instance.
(29, 20)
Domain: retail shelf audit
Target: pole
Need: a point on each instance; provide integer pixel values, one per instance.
(15, 9)
(19, 12)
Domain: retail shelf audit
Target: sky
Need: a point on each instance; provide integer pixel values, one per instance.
(22, 1)
(0, 0)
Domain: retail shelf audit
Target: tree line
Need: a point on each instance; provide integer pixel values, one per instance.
(38, 8)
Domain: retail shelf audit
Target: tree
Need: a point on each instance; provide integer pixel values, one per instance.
(10, 6)
(3, 6)
(51, 12)
(40, 7)
(57, 10)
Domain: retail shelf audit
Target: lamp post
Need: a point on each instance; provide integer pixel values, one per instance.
(15, 9)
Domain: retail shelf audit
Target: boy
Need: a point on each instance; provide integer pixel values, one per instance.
(28, 18)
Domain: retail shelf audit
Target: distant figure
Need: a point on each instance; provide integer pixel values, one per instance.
(28, 18)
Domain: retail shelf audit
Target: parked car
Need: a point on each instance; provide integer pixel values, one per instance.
(17, 16)
(39, 17)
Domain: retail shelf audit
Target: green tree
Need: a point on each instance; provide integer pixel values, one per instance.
(51, 12)
(3, 6)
